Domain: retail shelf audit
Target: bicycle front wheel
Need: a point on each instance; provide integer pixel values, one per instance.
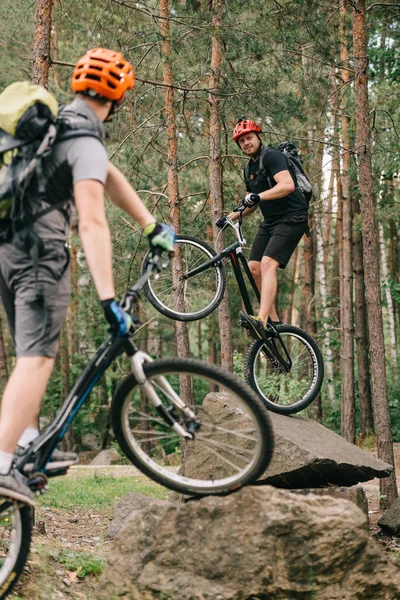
(286, 392)
(181, 296)
(15, 539)
(232, 437)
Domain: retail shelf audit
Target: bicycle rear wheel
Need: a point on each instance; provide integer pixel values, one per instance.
(232, 437)
(188, 298)
(286, 392)
(15, 539)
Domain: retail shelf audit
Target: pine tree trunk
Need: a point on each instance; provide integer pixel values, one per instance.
(72, 314)
(216, 175)
(346, 300)
(388, 486)
(389, 302)
(54, 41)
(361, 333)
(182, 338)
(3, 356)
(294, 313)
(326, 316)
(41, 43)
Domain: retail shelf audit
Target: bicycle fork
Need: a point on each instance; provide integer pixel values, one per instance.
(138, 360)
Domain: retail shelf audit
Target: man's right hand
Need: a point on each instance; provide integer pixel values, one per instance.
(221, 222)
(161, 236)
(119, 320)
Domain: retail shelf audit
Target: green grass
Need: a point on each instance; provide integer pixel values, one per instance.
(97, 492)
(80, 562)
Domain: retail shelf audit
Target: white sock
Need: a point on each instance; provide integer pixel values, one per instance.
(5, 462)
(28, 436)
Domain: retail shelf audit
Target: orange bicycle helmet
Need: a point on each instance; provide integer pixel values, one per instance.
(103, 72)
(245, 126)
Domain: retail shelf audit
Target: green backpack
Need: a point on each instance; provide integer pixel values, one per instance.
(31, 122)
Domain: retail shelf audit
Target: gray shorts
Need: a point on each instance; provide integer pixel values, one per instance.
(35, 310)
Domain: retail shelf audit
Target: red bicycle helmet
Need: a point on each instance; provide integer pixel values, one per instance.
(105, 72)
(245, 126)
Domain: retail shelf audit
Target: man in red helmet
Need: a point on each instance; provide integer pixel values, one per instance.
(36, 297)
(270, 186)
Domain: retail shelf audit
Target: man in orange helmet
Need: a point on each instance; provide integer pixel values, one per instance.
(77, 170)
(271, 187)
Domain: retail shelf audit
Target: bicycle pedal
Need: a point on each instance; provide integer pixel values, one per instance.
(38, 483)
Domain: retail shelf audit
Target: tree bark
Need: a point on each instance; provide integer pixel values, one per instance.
(346, 301)
(72, 313)
(388, 486)
(41, 43)
(182, 337)
(216, 197)
(3, 356)
(361, 332)
(390, 306)
(325, 316)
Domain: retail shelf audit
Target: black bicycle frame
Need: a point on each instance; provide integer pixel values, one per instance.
(239, 262)
(50, 438)
(112, 347)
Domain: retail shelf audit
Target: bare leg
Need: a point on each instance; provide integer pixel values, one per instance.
(269, 288)
(22, 398)
(256, 268)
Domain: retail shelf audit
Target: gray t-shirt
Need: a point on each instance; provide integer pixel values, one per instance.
(70, 161)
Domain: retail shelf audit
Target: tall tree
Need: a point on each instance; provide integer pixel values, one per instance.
(346, 325)
(216, 173)
(361, 331)
(41, 43)
(388, 486)
(3, 356)
(182, 337)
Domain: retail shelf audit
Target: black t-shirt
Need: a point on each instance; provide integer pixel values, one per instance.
(259, 180)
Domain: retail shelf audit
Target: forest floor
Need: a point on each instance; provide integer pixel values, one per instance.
(70, 542)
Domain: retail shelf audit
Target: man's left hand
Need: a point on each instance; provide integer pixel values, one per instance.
(251, 200)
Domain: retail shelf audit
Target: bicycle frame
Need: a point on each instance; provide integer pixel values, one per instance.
(239, 264)
(111, 348)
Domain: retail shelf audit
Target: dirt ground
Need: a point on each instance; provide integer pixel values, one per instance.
(86, 531)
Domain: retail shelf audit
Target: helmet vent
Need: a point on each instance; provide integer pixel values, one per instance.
(91, 76)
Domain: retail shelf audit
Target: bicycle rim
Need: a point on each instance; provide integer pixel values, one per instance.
(15, 536)
(284, 391)
(231, 447)
(192, 298)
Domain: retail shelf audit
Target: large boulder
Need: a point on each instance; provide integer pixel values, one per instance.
(124, 508)
(390, 521)
(306, 455)
(355, 494)
(259, 543)
(106, 457)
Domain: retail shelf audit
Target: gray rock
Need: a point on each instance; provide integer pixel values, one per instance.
(124, 508)
(106, 457)
(306, 455)
(390, 521)
(259, 543)
(90, 441)
(355, 494)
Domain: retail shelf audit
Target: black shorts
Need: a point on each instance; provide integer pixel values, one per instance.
(278, 240)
